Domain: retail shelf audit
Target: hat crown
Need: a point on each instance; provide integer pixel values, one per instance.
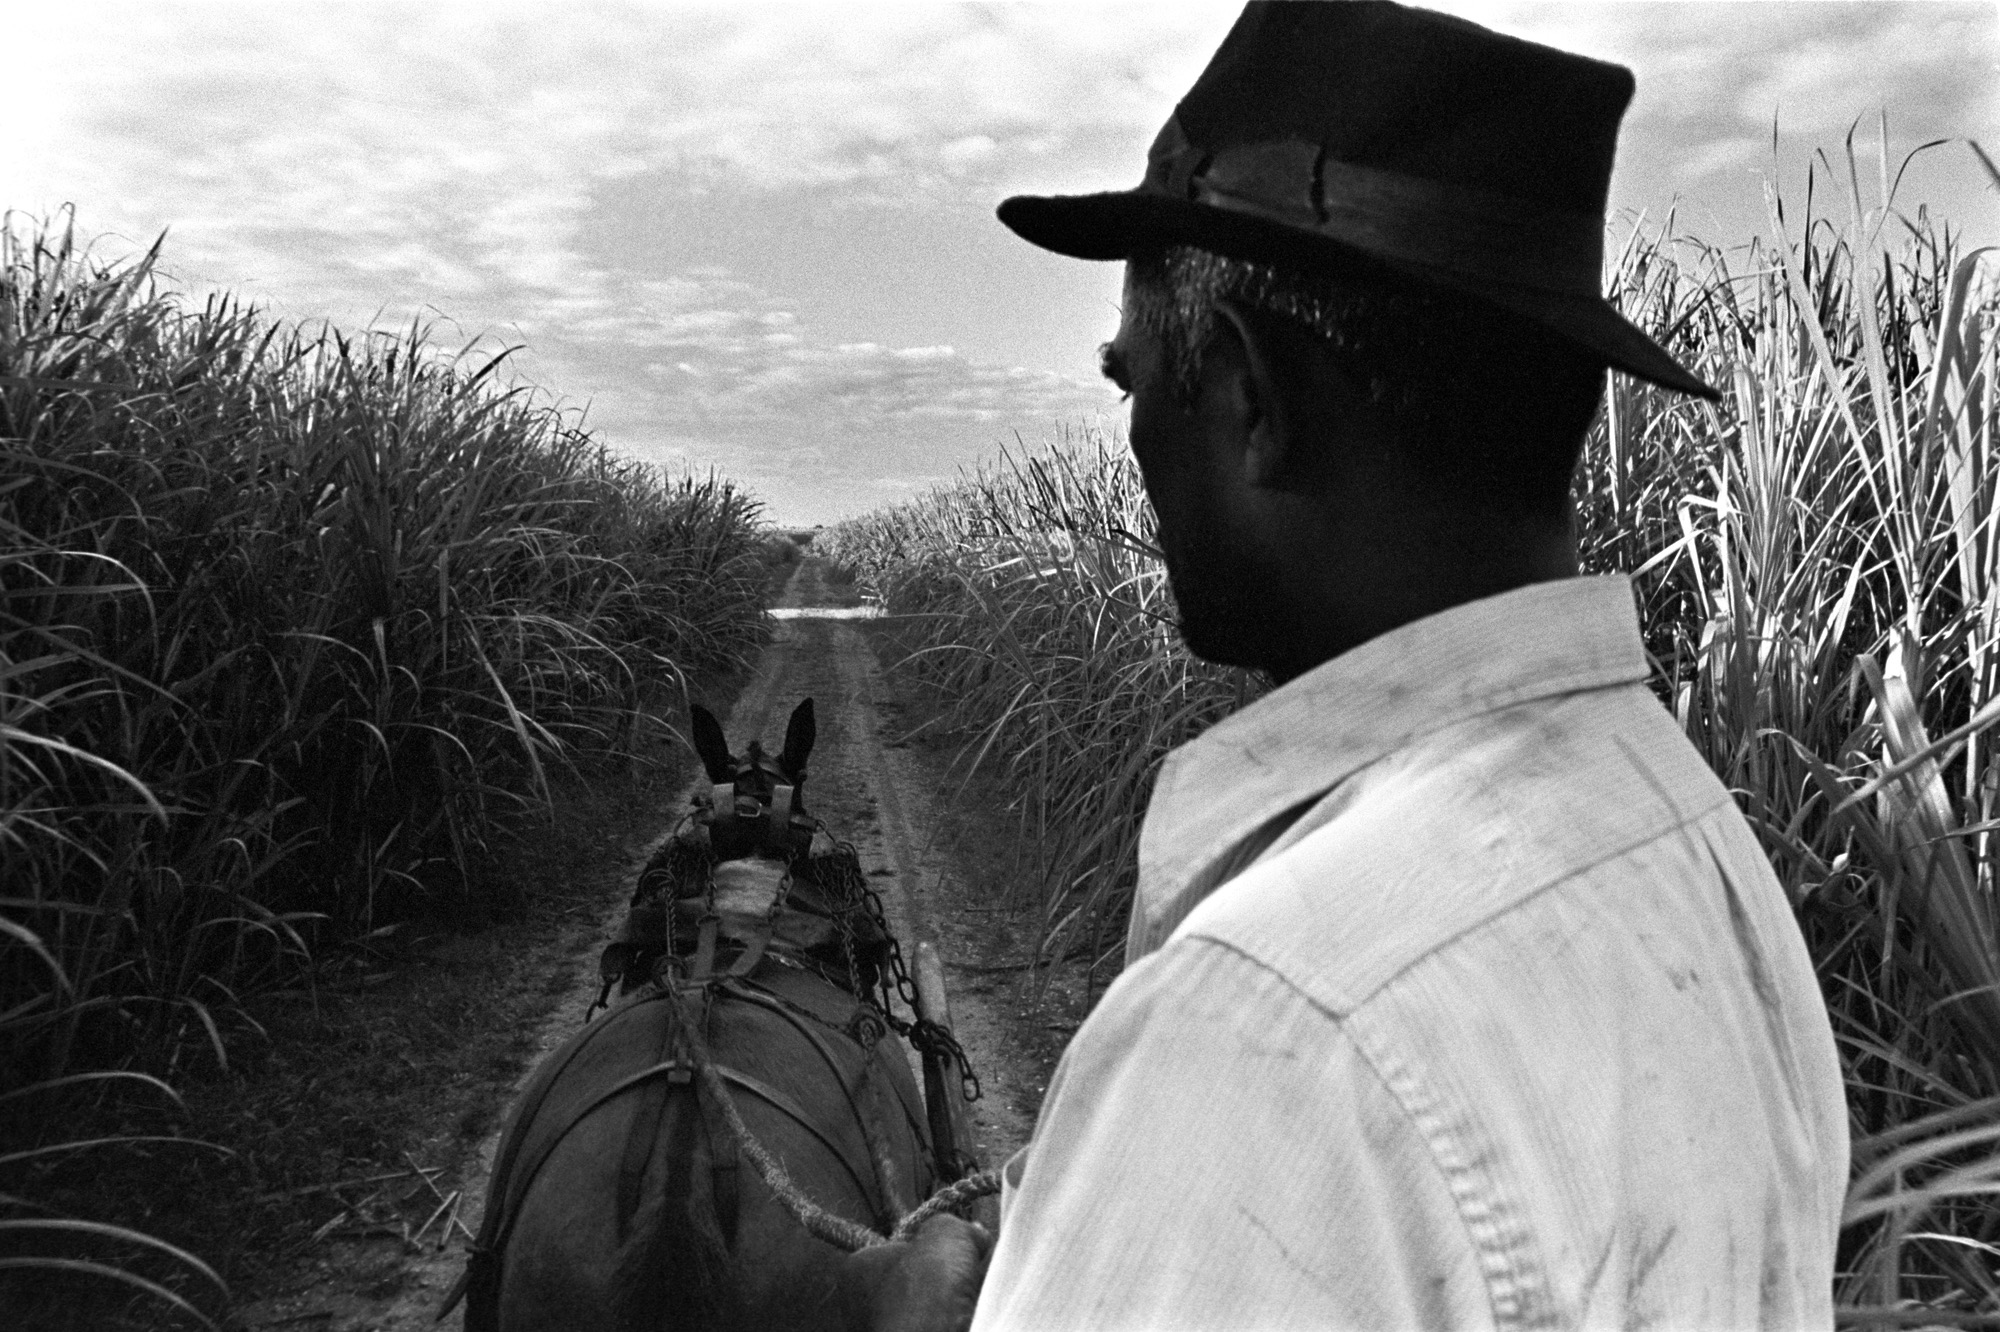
(1422, 94)
(1352, 136)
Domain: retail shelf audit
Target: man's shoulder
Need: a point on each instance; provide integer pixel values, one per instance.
(1461, 826)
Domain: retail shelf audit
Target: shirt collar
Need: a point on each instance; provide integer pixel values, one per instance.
(1303, 739)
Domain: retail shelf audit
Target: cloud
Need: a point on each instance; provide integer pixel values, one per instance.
(550, 172)
(704, 349)
(917, 99)
(363, 119)
(1940, 64)
(1716, 79)
(1724, 154)
(707, 368)
(1816, 64)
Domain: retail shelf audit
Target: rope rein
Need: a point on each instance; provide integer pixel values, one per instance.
(821, 1224)
(684, 868)
(950, 1198)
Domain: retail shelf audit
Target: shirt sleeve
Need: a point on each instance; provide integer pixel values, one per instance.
(1214, 1152)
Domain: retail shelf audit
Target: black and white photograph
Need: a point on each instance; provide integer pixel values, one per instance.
(1034, 665)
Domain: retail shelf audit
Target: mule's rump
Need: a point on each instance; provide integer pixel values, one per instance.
(613, 1140)
(760, 977)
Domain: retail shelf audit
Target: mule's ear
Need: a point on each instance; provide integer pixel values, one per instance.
(799, 735)
(716, 759)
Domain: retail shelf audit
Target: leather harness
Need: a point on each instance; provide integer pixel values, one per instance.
(690, 998)
(781, 828)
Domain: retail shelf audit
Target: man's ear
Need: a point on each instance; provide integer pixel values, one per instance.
(1259, 396)
(1287, 395)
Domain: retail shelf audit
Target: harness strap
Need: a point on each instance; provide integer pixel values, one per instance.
(768, 824)
(753, 951)
(781, 816)
(681, 1062)
(879, 1155)
(722, 1162)
(881, 1195)
(756, 994)
(830, 1227)
(704, 948)
(480, 1283)
(514, 1176)
(679, 1145)
(652, 1107)
(759, 995)
(491, 1247)
(737, 988)
(758, 1088)
(791, 1109)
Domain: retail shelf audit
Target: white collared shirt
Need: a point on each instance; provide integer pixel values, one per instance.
(1501, 1020)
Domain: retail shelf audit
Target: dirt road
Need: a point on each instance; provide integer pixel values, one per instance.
(870, 787)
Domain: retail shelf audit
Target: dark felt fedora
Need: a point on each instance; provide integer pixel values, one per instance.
(1356, 134)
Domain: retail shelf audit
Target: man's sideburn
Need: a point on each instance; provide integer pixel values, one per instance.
(1166, 442)
(1223, 597)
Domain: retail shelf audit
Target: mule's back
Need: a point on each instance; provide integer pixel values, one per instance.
(620, 1197)
(621, 1192)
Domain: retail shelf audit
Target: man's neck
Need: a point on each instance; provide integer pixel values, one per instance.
(1344, 600)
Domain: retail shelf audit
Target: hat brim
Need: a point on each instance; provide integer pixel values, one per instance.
(1117, 224)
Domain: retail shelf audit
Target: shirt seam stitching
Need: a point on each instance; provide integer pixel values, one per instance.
(1502, 1256)
(1598, 669)
(1306, 804)
(1512, 905)
(1486, 1237)
(1382, 750)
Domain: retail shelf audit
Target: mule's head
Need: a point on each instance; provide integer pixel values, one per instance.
(764, 793)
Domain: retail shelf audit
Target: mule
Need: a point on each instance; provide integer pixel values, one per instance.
(621, 1197)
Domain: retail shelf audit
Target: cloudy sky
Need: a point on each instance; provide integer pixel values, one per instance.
(760, 237)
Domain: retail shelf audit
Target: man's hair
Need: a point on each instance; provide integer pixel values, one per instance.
(1491, 407)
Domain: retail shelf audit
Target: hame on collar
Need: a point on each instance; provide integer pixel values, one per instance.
(777, 826)
(755, 802)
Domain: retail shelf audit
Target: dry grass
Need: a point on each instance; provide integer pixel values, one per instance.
(1818, 560)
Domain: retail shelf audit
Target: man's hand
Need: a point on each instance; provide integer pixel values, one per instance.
(927, 1285)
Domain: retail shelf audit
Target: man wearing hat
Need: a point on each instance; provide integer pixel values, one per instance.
(1458, 991)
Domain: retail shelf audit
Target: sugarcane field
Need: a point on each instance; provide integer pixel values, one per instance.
(682, 666)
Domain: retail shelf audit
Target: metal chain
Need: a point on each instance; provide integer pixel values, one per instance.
(924, 1035)
(906, 989)
(843, 922)
(931, 1038)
